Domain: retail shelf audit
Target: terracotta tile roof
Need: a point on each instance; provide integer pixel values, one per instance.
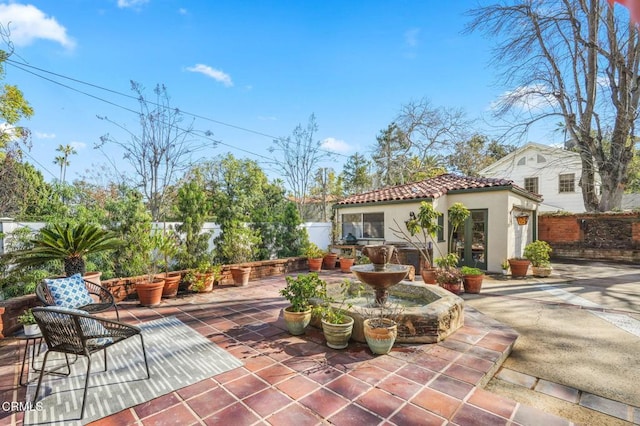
(430, 188)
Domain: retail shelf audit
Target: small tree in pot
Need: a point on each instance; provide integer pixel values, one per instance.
(298, 292)
(538, 252)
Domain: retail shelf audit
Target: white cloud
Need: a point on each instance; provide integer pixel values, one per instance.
(217, 75)
(534, 97)
(134, 4)
(78, 145)
(28, 23)
(40, 135)
(183, 11)
(411, 37)
(335, 145)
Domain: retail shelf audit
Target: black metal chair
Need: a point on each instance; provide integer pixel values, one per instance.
(70, 331)
(104, 302)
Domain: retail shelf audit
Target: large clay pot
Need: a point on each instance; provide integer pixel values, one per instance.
(455, 288)
(241, 275)
(472, 283)
(346, 263)
(428, 275)
(296, 321)
(315, 264)
(519, 267)
(171, 283)
(150, 293)
(329, 261)
(93, 276)
(206, 282)
(338, 335)
(380, 334)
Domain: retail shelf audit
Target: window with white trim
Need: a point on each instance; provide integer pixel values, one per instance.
(531, 184)
(363, 225)
(567, 183)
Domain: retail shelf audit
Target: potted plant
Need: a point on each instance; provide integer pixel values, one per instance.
(204, 277)
(314, 256)
(381, 328)
(519, 266)
(150, 290)
(347, 261)
(538, 252)
(238, 245)
(67, 243)
(472, 279)
(329, 259)
(337, 326)
(423, 227)
(298, 292)
(167, 245)
(447, 275)
(505, 266)
(28, 321)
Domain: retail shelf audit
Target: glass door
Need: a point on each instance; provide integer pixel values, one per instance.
(471, 242)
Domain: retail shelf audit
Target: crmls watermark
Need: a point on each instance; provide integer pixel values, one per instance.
(21, 406)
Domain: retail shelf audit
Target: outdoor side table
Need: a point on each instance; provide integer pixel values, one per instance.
(35, 341)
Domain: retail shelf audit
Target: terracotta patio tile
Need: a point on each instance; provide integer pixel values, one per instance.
(436, 402)
(528, 416)
(231, 375)
(444, 353)
(604, 405)
(387, 363)
(498, 346)
(516, 378)
(475, 363)
(464, 373)
(493, 403)
(354, 415)
(485, 353)
(210, 402)
(294, 414)
(300, 363)
(400, 386)
(431, 362)
(245, 386)
(348, 386)
(258, 362)
(149, 408)
(236, 415)
(410, 415)
(297, 386)
(323, 375)
(177, 415)
(324, 402)
(380, 402)
(450, 386)
(557, 390)
(275, 373)
(455, 345)
(123, 418)
(417, 374)
(468, 415)
(369, 374)
(197, 388)
(267, 401)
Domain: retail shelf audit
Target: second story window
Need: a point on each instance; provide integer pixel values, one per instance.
(531, 184)
(567, 183)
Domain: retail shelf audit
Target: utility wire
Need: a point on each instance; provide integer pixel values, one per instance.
(22, 65)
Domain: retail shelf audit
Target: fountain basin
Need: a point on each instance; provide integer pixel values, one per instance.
(389, 276)
(430, 314)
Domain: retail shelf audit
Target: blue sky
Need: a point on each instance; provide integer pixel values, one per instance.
(260, 65)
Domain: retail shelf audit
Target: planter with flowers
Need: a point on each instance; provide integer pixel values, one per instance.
(447, 275)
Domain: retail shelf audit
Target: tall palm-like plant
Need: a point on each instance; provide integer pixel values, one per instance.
(68, 243)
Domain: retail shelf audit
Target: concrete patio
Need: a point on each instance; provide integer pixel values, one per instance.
(299, 380)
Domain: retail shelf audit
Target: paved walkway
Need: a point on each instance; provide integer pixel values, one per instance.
(299, 380)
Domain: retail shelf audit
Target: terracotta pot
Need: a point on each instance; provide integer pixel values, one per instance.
(428, 275)
(207, 280)
(519, 267)
(150, 293)
(171, 283)
(472, 283)
(338, 335)
(315, 264)
(241, 275)
(296, 321)
(541, 271)
(455, 288)
(346, 263)
(93, 276)
(329, 260)
(380, 334)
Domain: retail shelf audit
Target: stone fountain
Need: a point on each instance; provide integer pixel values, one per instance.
(429, 313)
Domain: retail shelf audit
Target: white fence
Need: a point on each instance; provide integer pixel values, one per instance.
(319, 232)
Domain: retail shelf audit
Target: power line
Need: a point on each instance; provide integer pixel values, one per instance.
(22, 65)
